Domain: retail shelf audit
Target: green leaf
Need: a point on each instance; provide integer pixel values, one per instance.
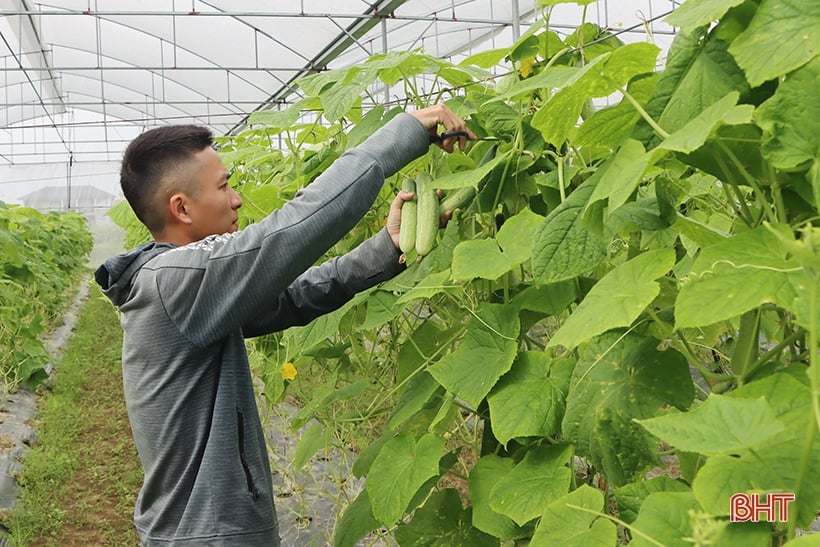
(320, 329)
(549, 299)
(485, 59)
(430, 286)
(720, 425)
(624, 293)
(480, 258)
(664, 517)
(692, 135)
(420, 388)
(443, 522)
(400, 469)
(489, 259)
(381, 308)
(775, 466)
(554, 77)
(563, 523)
(624, 172)
(607, 127)
(526, 491)
(791, 117)
(702, 234)
(630, 497)
(315, 438)
(699, 71)
(483, 477)
(356, 522)
(619, 378)
(781, 37)
(696, 13)
(368, 125)
(722, 274)
(600, 77)
(460, 179)
(563, 247)
(275, 119)
(486, 353)
(529, 400)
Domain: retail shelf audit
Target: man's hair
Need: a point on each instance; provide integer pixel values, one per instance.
(150, 159)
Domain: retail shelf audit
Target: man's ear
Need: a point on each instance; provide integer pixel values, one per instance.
(178, 207)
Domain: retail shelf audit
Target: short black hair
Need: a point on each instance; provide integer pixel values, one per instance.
(149, 158)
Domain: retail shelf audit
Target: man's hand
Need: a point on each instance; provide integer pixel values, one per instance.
(434, 116)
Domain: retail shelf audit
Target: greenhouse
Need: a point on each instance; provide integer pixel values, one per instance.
(404, 272)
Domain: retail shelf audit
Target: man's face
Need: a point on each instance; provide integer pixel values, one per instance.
(213, 208)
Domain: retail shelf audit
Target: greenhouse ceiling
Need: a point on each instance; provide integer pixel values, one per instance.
(81, 78)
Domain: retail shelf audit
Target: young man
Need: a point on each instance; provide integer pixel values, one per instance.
(189, 298)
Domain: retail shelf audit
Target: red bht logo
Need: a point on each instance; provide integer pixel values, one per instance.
(749, 507)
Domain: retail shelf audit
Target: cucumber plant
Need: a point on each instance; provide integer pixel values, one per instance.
(621, 330)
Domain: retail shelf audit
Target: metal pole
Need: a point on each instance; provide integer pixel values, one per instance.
(516, 21)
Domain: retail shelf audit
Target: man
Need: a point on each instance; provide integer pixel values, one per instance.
(190, 297)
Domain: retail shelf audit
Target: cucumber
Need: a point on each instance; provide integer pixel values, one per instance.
(407, 229)
(427, 215)
(461, 198)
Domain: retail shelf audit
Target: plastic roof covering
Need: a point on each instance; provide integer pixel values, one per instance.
(80, 78)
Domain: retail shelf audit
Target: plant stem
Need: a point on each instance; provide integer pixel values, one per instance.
(659, 131)
(759, 196)
(708, 374)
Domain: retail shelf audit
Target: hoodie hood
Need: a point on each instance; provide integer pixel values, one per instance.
(116, 275)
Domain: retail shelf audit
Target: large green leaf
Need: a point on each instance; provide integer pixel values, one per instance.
(430, 286)
(486, 353)
(617, 379)
(786, 463)
(563, 247)
(624, 293)
(791, 118)
(529, 400)
(400, 469)
(443, 522)
(694, 133)
(699, 71)
(539, 479)
(356, 522)
(488, 258)
(781, 37)
(741, 273)
(420, 388)
(664, 517)
(624, 171)
(483, 477)
(721, 425)
(565, 522)
(630, 497)
(696, 13)
(608, 126)
(557, 118)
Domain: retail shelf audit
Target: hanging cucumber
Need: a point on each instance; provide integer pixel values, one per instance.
(427, 215)
(407, 230)
(461, 198)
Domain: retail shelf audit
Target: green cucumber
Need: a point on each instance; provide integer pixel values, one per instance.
(427, 215)
(407, 229)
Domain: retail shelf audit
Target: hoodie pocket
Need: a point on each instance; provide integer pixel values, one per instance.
(240, 429)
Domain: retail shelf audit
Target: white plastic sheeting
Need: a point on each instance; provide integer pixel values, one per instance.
(80, 78)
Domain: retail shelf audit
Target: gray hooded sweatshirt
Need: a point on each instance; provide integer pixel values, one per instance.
(185, 312)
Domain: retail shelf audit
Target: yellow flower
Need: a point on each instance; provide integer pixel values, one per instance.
(526, 66)
(288, 371)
